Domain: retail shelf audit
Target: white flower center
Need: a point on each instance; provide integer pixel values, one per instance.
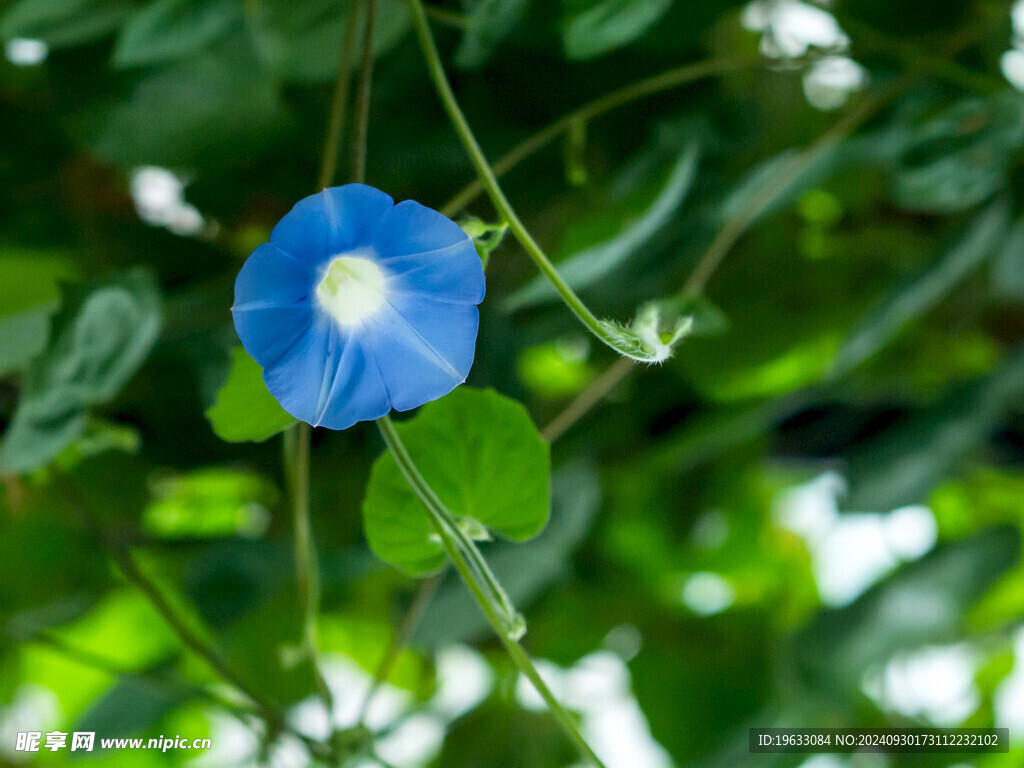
(352, 289)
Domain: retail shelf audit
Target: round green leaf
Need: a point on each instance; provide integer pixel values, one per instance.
(245, 411)
(484, 458)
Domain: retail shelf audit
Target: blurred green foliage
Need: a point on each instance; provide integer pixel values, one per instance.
(864, 325)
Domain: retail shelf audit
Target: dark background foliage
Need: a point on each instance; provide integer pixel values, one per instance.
(810, 516)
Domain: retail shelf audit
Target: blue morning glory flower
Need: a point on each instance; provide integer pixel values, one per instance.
(357, 306)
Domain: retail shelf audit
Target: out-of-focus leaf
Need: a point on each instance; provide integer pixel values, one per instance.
(213, 107)
(170, 29)
(63, 22)
(500, 734)
(98, 437)
(132, 706)
(915, 298)
(23, 336)
(100, 340)
(1007, 275)
(960, 158)
(490, 22)
(922, 603)
(903, 465)
(28, 297)
(209, 502)
(301, 41)
(360, 641)
(525, 571)
(708, 318)
(585, 268)
(555, 369)
(609, 24)
(986, 497)
(482, 455)
(244, 410)
(776, 182)
(31, 278)
(265, 646)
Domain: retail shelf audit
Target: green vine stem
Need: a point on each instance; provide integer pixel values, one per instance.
(672, 78)
(339, 102)
(638, 345)
(361, 127)
(467, 560)
(307, 569)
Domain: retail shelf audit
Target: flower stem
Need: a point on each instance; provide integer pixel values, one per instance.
(468, 561)
(490, 182)
(339, 102)
(362, 123)
(307, 571)
(673, 78)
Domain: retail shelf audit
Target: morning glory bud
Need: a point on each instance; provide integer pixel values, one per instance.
(357, 306)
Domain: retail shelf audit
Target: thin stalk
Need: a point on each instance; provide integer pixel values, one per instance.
(307, 569)
(720, 246)
(490, 182)
(91, 660)
(587, 399)
(869, 105)
(239, 710)
(512, 621)
(446, 527)
(673, 78)
(339, 102)
(129, 568)
(788, 174)
(445, 16)
(362, 123)
(409, 623)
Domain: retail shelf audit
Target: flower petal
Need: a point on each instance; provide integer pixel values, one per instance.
(453, 273)
(272, 303)
(423, 349)
(358, 392)
(302, 377)
(335, 220)
(410, 228)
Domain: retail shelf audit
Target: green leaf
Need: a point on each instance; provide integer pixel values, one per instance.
(31, 278)
(903, 465)
(556, 369)
(209, 502)
(28, 297)
(171, 29)
(610, 24)
(63, 22)
(490, 22)
(100, 340)
(961, 157)
(586, 267)
(244, 410)
(484, 458)
(299, 41)
(910, 301)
